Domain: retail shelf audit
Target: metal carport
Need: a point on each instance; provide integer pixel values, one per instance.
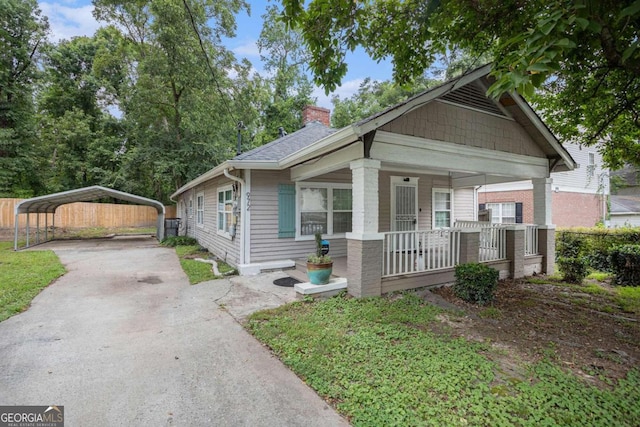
(49, 203)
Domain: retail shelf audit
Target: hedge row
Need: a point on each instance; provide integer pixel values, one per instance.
(613, 250)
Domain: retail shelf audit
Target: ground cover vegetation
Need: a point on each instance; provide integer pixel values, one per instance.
(398, 360)
(23, 275)
(187, 249)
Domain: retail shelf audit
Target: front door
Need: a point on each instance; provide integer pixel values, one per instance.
(404, 204)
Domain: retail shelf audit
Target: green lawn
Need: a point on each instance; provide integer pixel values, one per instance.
(23, 275)
(388, 361)
(198, 271)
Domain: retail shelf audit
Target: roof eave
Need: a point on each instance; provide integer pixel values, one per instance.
(567, 160)
(329, 143)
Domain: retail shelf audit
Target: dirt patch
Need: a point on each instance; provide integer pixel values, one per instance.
(586, 332)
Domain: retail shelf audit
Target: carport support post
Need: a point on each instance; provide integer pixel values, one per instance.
(46, 227)
(15, 233)
(28, 229)
(38, 228)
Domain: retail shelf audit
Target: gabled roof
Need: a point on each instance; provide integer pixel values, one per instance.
(625, 205)
(288, 144)
(316, 139)
(50, 202)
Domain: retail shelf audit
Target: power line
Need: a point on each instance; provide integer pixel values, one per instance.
(206, 56)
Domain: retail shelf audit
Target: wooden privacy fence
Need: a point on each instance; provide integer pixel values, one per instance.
(82, 214)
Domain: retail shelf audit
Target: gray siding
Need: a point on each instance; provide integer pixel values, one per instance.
(265, 244)
(462, 204)
(446, 122)
(207, 235)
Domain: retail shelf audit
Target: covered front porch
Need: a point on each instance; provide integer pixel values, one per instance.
(404, 252)
(415, 172)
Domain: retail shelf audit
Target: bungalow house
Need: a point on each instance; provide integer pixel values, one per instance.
(394, 193)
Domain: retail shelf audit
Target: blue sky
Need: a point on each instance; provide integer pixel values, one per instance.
(69, 18)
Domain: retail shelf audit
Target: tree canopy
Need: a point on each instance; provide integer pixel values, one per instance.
(582, 56)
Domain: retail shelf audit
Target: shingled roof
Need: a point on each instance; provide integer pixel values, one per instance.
(288, 144)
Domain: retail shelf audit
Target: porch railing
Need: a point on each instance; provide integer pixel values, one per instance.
(531, 240)
(493, 243)
(407, 252)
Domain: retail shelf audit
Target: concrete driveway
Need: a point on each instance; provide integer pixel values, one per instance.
(123, 339)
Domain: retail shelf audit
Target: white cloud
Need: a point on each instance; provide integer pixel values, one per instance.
(248, 48)
(347, 89)
(69, 21)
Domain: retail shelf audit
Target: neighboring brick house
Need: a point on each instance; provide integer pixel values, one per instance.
(579, 197)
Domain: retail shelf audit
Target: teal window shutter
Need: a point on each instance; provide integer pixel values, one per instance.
(286, 210)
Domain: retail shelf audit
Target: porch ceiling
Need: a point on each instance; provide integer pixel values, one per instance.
(467, 166)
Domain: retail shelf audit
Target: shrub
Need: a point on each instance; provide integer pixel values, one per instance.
(174, 241)
(475, 283)
(625, 263)
(573, 270)
(569, 257)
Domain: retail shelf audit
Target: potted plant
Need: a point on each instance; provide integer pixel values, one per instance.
(319, 266)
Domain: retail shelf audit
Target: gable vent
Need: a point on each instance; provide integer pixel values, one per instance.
(472, 96)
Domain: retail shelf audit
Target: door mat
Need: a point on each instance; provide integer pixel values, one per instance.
(287, 282)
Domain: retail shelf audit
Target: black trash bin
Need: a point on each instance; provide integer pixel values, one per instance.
(171, 226)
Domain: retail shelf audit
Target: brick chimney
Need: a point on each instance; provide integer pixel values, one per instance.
(311, 113)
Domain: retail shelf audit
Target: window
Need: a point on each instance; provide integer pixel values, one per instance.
(591, 167)
(200, 209)
(502, 213)
(324, 208)
(442, 208)
(225, 209)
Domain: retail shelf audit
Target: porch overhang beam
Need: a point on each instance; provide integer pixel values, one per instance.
(482, 179)
(426, 153)
(329, 163)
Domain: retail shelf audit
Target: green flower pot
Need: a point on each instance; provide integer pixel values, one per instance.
(319, 274)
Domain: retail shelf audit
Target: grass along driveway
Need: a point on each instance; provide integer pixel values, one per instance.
(23, 275)
(397, 361)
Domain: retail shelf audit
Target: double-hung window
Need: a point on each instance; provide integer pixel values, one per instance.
(323, 208)
(225, 209)
(503, 213)
(200, 209)
(442, 208)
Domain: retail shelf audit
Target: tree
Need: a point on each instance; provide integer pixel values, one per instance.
(282, 53)
(583, 54)
(179, 113)
(373, 97)
(22, 33)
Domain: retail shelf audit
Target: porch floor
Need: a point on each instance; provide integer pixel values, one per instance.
(300, 272)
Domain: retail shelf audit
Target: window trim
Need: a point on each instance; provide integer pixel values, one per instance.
(435, 190)
(330, 186)
(591, 164)
(199, 224)
(501, 204)
(223, 190)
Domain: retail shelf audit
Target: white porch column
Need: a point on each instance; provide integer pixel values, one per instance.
(364, 243)
(542, 201)
(542, 217)
(365, 196)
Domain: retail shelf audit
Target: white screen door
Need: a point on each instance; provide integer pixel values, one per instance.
(405, 207)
